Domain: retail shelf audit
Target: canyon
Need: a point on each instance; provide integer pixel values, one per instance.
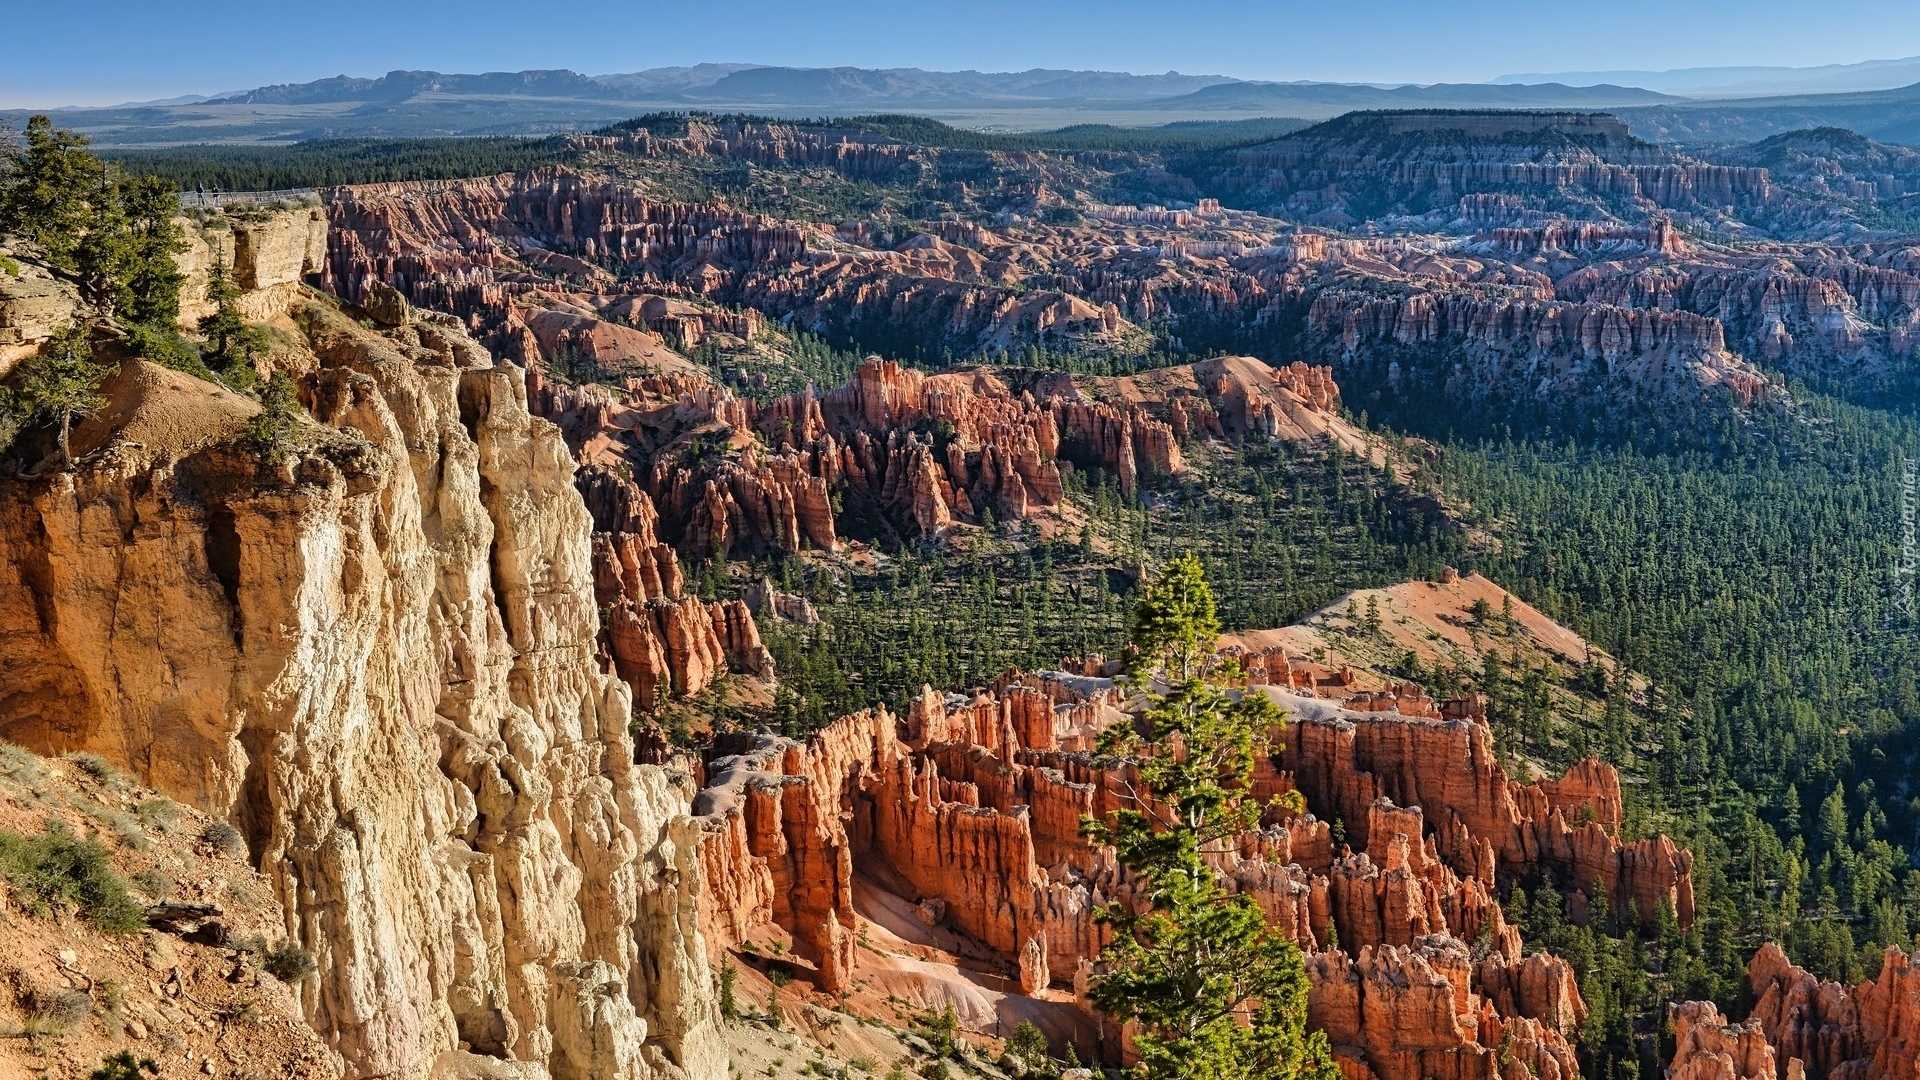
(427, 661)
(970, 806)
(1486, 296)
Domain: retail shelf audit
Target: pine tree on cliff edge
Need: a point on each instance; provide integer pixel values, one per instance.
(1218, 994)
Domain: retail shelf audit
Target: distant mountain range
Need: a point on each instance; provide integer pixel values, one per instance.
(750, 85)
(1320, 100)
(786, 88)
(1729, 82)
(1887, 115)
(431, 103)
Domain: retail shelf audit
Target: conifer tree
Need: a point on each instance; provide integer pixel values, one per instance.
(118, 234)
(274, 429)
(231, 343)
(148, 289)
(53, 194)
(1217, 992)
(60, 383)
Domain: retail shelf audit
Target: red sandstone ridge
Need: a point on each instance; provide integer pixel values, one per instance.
(1554, 309)
(1802, 1026)
(1828, 1030)
(968, 810)
(921, 451)
(662, 644)
(1706, 1047)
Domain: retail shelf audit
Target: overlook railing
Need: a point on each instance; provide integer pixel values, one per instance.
(214, 199)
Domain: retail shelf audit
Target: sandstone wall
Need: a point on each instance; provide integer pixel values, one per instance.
(1706, 1047)
(378, 661)
(33, 306)
(1446, 768)
(268, 255)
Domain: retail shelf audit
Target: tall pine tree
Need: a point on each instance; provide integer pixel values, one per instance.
(1218, 993)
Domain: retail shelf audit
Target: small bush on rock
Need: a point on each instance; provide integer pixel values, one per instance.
(225, 839)
(123, 1066)
(289, 962)
(58, 867)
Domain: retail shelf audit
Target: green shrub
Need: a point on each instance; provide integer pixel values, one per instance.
(122, 1066)
(99, 768)
(942, 1032)
(155, 884)
(275, 430)
(1029, 1047)
(58, 867)
(729, 1004)
(168, 347)
(289, 962)
(125, 826)
(19, 763)
(14, 414)
(225, 839)
(158, 812)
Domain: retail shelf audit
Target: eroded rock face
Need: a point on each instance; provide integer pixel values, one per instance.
(1706, 1047)
(659, 642)
(1396, 1011)
(1401, 317)
(1830, 1030)
(268, 255)
(973, 804)
(1543, 270)
(33, 306)
(1481, 818)
(378, 660)
(1426, 159)
(917, 452)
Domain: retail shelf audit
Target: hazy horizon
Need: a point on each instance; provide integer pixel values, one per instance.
(118, 52)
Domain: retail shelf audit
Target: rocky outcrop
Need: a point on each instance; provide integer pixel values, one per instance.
(921, 452)
(661, 643)
(268, 254)
(972, 805)
(1553, 346)
(1346, 763)
(377, 659)
(1556, 264)
(1425, 160)
(1827, 1029)
(1409, 1011)
(780, 824)
(1706, 1047)
(34, 305)
(766, 601)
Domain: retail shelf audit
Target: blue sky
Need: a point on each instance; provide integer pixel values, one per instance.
(102, 51)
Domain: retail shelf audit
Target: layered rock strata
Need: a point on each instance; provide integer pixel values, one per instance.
(377, 659)
(719, 473)
(1481, 818)
(492, 249)
(1553, 271)
(661, 643)
(974, 803)
(1706, 1047)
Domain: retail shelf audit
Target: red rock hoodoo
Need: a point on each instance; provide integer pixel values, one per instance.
(970, 805)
